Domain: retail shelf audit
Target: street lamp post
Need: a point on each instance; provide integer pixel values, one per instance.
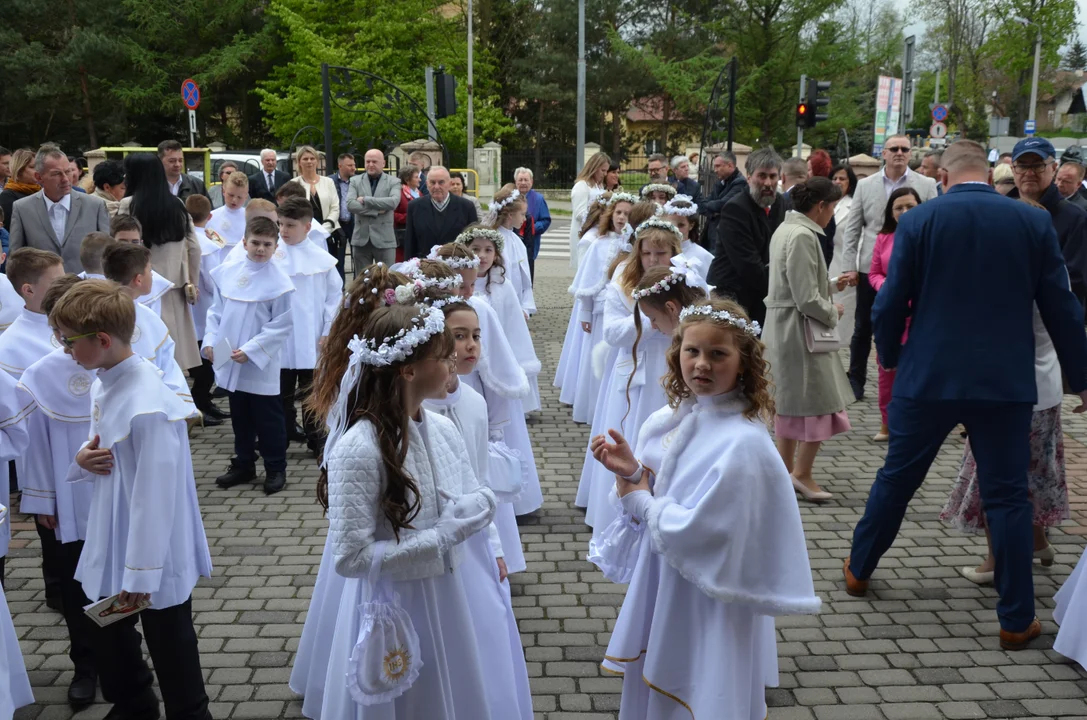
(1032, 111)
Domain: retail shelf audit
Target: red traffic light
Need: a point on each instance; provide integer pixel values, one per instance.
(802, 109)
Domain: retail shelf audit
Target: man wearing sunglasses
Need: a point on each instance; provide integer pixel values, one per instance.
(1034, 168)
(861, 225)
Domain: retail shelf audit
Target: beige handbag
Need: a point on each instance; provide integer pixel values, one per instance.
(819, 338)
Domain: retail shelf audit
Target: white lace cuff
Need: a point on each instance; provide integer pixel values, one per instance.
(615, 549)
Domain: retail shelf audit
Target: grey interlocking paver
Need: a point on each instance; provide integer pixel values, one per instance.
(922, 645)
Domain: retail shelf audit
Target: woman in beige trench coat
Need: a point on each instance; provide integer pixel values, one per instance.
(811, 390)
(175, 252)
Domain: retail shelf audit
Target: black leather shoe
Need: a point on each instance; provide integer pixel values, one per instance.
(296, 434)
(117, 713)
(81, 692)
(53, 602)
(212, 411)
(274, 482)
(211, 421)
(237, 474)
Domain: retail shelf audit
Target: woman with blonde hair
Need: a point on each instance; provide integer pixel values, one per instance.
(21, 183)
(588, 185)
(320, 190)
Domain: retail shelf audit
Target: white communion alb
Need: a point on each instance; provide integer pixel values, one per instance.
(1071, 614)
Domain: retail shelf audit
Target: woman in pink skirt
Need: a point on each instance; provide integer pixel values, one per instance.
(810, 388)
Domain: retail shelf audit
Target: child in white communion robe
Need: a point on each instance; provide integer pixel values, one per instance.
(710, 538)
(1071, 614)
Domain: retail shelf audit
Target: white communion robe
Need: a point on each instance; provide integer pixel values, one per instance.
(230, 226)
(693, 250)
(318, 296)
(611, 413)
(159, 287)
(582, 386)
(515, 259)
(145, 533)
(15, 689)
(1071, 614)
(472, 664)
(211, 246)
(716, 553)
(501, 297)
(566, 371)
(11, 303)
(27, 340)
(252, 310)
(59, 390)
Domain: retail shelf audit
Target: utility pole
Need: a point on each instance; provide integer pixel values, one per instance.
(580, 84)
(471, 95)
(939, 70)
(1034, 81)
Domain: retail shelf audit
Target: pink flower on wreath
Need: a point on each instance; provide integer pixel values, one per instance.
(390, 296)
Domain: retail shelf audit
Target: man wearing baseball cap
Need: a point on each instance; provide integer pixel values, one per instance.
(1034, 164)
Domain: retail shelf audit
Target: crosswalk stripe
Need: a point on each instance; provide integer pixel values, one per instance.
(555, 243)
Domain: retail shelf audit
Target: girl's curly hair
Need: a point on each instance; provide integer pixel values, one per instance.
(754, 381)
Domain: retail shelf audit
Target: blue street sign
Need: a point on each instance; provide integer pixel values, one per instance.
(190, 94)
(1028, 127)
(939, 113)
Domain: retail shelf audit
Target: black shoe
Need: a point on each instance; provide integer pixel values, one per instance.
(81, 691)
(237, 474)
(296, 434)
(149, 713)
(858, 389)
(53, 602)
(214, 412)
(219, 393)
(211, 421)
(274, 482)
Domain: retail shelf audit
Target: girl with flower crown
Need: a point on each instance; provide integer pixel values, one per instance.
(655, 243)
(682, 212)
(575, 378)
(660, 296)
(492, 285)
(497, 377)
(405, 521)
(659, 193)
(710, 538)
(508, 212)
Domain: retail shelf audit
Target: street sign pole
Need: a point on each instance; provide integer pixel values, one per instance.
(192, 128)
(190, 97)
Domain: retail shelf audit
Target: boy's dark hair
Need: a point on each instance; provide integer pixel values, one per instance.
(26, 265)
(199, 208)
(123, 223)
(261, 226)
(121, 262)
(294, 208)
(56, 291)
(91, 249)
(290, 190)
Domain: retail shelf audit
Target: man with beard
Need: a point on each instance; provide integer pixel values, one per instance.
(741, 263)
(865, 218)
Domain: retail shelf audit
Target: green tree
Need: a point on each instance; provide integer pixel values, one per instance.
(1076, 57)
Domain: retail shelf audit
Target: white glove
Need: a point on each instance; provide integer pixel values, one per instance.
(637, 503)
(464, 516)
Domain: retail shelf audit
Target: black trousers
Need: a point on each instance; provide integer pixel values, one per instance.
(52, 573)
(203, 377)
(125, 678)
(860, 345)
(296, 385)
(259, 416)
(80, 627)
(338, 242)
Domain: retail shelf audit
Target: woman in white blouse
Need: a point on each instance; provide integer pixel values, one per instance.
(844, 177)
(588, 185)
(320, 190)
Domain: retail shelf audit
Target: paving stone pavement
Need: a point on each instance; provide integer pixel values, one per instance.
(922, 645)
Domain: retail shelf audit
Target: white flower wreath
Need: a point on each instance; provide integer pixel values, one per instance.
(498, 205)
(660, 225)
(658, 187)
(453, 262)
(670, 207)
(618, 197)
(685, 270)
(752, 328)
(482, 233)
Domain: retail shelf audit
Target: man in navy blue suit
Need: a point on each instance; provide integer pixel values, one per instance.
(968, 268)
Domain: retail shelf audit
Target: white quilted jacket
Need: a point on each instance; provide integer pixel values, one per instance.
(356, 478)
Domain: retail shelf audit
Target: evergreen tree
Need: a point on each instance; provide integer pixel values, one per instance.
(1076, 59)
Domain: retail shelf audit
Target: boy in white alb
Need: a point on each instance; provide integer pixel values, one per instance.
(127, 229)
(318, 294)
(27, 340)
(145, 539)
(130, 267)
(211, 255)
(247, 325)
(58, 392)
(317, 233)
(11, 303)
(228, 221)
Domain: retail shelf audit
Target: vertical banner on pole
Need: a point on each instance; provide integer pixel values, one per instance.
(888, 107)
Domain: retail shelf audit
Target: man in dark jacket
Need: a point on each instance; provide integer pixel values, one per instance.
(436, 218)
(1035, 167)
(1070, 182)
(741, 263)
(685, 184)
(730, 183)
(182, 184)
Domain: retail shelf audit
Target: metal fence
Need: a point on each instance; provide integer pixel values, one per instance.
(558, 169)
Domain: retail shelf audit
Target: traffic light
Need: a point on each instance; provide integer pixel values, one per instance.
(802, 114)
(818, 97)
(445, 91)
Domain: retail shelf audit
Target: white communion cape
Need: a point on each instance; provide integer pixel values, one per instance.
(15, 689)
(1071, 614)
(501, 297)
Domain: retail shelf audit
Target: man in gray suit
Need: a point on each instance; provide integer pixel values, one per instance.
(371, 198)
(55, 218)
(861, 226)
